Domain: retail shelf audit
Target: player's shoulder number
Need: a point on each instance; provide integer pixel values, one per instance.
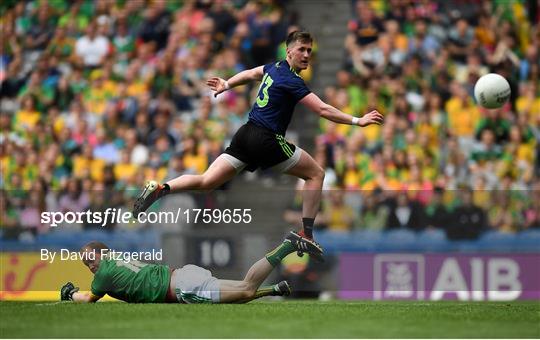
(133, 265)
(266, 82)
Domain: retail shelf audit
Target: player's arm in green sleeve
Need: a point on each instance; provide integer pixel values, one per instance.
(69, 292)
(315, 104)
(220, 85)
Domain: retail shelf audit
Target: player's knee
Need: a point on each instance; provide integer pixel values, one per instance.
(319, 173)
(315, 173)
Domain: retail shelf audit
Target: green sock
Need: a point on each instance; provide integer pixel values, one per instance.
(265, 291)
(276, 255)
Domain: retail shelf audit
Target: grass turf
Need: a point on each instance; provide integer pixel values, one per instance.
(271, 319)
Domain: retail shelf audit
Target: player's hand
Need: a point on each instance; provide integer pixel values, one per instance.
(67, 291)
(372, 117)
(217, 84)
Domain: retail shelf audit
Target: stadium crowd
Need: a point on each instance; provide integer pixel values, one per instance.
(99, 96)
(439, 160)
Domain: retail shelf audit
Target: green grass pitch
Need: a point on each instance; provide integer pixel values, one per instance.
(272, 319)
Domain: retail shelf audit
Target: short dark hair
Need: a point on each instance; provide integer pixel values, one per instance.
(302, 36)
(94, 245)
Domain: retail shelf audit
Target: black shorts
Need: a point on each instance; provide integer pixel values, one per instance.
(259, 147)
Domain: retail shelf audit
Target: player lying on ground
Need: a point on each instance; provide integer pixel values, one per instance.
(261, 142)
(136, 281)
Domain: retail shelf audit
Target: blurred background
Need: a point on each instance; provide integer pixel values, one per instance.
(99, 96)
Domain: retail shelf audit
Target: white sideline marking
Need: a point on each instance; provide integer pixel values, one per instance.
(50, 303)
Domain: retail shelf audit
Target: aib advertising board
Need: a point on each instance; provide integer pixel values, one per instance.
(465, 277)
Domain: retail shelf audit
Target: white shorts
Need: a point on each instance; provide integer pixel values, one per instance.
(193, 284)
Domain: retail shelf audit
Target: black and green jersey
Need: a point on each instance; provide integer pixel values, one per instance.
(131, 281)
(281, 88)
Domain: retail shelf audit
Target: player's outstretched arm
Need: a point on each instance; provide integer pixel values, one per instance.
(69, 292)
(315, 104)
(85, 297)
(220, 85)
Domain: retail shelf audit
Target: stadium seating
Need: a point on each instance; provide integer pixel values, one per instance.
(433, 240)
(497, 241)
(426, 241)
(365, 240)
(398, 240)
(528, 241)
(333, 242)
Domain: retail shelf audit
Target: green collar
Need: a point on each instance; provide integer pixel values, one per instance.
(291, 68)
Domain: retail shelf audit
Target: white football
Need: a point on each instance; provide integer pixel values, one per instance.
(492, 91)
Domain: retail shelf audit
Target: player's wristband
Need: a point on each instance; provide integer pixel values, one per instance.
(355, 120)
(227, 86)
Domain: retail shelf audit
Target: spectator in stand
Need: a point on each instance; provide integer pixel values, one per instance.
(366, 27)
(28, 117)
(106, 148)
(532, 212)
(485, 156)
(124, 170)
(436, 212)
(336, 214)
(405, 213)
(467, 221)
(138, 152)
(463, 116)
(460, 38)
(502, 216)
(495, 122)
(9, 216)
(61, 45)
(40, 33)
(92, 48)
(31, 213)
(155, 26)
(63, 94)
(423, 43)
(74, 200)
(373, 215)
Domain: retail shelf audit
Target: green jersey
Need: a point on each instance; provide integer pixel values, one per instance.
(131, 281)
